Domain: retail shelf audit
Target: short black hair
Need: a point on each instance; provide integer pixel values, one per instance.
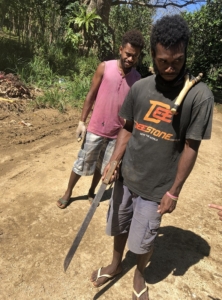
(133, 37)
(169, 31)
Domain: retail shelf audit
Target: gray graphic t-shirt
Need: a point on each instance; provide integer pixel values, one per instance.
(150, 161)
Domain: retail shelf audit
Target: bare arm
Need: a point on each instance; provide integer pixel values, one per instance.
(91, 96)
(219, 207)
(120, 147)
(185, 166)
(122, 140)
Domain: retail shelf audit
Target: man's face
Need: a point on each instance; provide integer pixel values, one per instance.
(129, 55)
(169, 62)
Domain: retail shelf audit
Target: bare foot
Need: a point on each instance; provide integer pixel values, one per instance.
(63, 202)
(140, 288)
(101, 276)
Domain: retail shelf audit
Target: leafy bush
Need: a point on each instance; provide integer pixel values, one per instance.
(36, 72)
(132, 17)
(205, 53)
(69, 90)
(13, 54)
(53, 98)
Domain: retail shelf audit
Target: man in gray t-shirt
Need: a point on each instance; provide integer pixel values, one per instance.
(158, 150)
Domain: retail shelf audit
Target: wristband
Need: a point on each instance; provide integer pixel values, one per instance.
(175, 198)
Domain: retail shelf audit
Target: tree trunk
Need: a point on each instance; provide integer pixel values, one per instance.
(102, 8)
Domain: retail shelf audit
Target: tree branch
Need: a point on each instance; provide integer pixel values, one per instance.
(159, 3)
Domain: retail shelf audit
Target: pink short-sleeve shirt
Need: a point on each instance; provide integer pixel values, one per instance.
(105, 120)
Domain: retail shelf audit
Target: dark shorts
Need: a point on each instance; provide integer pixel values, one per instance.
(131, 213)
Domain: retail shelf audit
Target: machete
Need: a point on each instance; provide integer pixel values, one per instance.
(89, 215)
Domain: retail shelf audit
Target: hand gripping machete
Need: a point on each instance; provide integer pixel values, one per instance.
(89, 215)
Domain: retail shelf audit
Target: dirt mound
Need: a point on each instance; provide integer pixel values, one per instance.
(12, 87)
(13, 94)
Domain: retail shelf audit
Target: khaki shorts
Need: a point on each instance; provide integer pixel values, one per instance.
(94, 154)
(132, 214)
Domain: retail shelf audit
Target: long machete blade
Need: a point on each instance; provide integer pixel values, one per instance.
(89, 216)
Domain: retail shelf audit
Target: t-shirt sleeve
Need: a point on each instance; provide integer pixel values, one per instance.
(200, 125)
(126, 111)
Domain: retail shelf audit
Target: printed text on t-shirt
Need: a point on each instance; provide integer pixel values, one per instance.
(159, 112)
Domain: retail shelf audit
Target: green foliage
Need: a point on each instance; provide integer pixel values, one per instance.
(205, 53)
(36, 72)
(69, 90)
(13, 55)
(86, 66)
(65, 94)
(85, 31)
(86, 19)
(62, 75)
(75, 39)
(55, 44)
(80, 80)
(52, 98)
(71, 36)
(101, 39)
(79, 89)
(80, 25)
(133, 17)
(38, 22)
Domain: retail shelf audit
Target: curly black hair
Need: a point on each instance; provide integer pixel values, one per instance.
(169, 31)
(133, 37)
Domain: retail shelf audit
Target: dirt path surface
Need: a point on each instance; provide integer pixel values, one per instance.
(37, 151)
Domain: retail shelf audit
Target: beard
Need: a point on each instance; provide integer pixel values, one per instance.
(122, 63)
(180, 76)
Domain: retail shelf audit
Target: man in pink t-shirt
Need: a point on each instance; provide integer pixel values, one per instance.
(110, 85)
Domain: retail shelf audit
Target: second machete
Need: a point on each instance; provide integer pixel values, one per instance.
(89, 215)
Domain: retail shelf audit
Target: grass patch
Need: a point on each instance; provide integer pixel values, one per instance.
(51, 98)
(36, 72)
(64, 94)
(61, 92)
(62, 75)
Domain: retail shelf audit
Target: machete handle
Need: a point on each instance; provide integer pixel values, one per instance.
(187, 86)
(110, 172)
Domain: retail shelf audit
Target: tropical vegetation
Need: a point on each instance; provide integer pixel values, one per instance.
(56, 45)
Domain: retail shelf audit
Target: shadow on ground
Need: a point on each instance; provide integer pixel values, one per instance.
(176, 250)
(106, 196)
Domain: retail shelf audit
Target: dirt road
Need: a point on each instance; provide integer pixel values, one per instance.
(37, 151)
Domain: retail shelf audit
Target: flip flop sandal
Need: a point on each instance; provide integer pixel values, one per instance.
(103, 275)
(142, 292)
(63, 202)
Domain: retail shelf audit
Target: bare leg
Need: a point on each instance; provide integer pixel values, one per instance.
(115, 267)
(96, 178)
(138, 280)
(72, 182)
